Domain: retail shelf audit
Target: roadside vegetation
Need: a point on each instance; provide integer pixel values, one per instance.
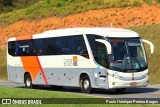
(10, 5)
(151, 33)
(7, 92)
(3, 65)
(47, 8)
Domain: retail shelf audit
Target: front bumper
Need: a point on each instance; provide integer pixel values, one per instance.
(117, 83)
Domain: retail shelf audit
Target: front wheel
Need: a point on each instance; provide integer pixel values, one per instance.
(85, 84)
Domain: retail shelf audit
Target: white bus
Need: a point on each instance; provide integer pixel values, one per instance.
(107, 58)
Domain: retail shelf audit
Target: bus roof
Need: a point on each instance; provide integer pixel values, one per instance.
(102, 31)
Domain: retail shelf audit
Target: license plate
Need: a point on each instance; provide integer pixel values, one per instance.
(132, 84)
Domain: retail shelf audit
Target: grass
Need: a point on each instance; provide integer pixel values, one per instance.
(152, 34)
(3, 65)
(7, 92)
(47, 8)
(148, 1)
(37, 9)
(15, 5)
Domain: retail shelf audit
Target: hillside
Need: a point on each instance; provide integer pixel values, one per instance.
(142, 16)
(119, 17)
(61, 8)
(10, 5)
(151, 33)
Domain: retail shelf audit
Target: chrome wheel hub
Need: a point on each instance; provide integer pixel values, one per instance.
(86, 84)
(28, 82)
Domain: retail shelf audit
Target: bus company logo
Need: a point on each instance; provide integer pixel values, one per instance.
(75, 60)
(71, 62)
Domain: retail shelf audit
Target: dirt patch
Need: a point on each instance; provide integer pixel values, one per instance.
(119, 17)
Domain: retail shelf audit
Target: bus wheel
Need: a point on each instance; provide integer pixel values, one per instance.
(28, 81)
(85, 84)
(120, 90)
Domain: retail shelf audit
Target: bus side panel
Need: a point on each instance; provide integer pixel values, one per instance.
(15, 70)
(58, 74)
(54, 75)
(71, 76)
(89, 72)
(39, 79)
(64, 76)
(20, 74)
(102, 78)
(12, 73)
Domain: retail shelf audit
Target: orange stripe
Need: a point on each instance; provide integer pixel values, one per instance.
(24, 38)
(32, 64)
(42, 71)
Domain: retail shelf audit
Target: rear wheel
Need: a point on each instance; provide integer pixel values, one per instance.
(85, 84)
(28, 81)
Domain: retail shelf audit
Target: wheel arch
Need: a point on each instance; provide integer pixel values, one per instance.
(83, 74)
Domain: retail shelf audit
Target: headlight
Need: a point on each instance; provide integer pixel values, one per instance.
(116, 76)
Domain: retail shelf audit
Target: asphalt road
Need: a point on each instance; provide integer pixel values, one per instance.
(146, 92)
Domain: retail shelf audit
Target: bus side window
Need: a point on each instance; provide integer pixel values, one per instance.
(51, 46)
(11, 48)
(66, 46)
(24, 47)
(79, 46)
(101, 54)
(36, 47)
(17, 48)
(98, 49)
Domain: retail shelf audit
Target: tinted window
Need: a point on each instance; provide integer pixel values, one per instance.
(65, 46)
(101, 54)
(98, 49)
(91, 39)
(79, 46)
(36, 47)
(23, 48)
(11, 48)
(52, 46)
(49, 46)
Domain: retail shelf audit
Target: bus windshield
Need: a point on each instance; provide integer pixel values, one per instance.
(128, 55)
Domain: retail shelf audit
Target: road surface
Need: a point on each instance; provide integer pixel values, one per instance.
(146, 92)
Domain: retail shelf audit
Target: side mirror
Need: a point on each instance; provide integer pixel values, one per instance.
(107, 44)
(151, 45)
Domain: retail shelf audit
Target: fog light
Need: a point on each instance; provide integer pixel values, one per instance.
(113, 83)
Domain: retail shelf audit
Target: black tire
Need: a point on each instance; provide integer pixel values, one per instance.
(28, 81)
(85, 84)
(120, 90)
